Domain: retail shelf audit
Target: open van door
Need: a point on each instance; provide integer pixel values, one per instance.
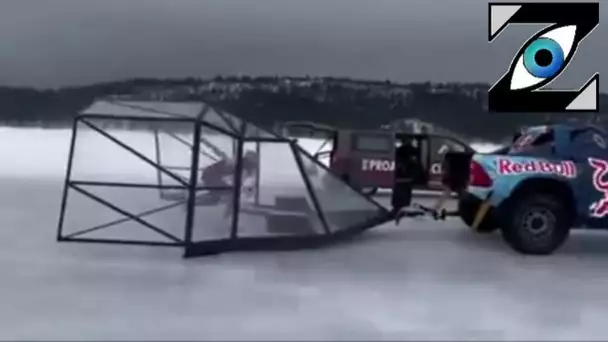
(371, 159)
(421, 143)
(439, 147)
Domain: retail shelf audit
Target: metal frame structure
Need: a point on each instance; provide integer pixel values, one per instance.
(237, 130)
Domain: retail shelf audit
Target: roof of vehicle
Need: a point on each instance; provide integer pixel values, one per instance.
(564, 127)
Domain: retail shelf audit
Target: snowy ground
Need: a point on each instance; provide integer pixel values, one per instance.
(421, 280)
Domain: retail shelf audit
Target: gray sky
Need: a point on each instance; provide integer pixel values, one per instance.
(65, 42)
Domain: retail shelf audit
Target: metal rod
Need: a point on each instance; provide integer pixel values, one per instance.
(181, 168)
(126, 213)
(184, 142)
(326, 142)
(112, 117)
(236, 200)
(128, 185)
(125, 242)
(229, 123)
(147, 109)
(159, 176)
(66, 183)
(270, 140)
(218, 129)
(123, 220)
(258, 151)
(135, 152)
(192, 186)
(310, 189)
(179, 139)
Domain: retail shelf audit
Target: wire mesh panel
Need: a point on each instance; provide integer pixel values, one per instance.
(342, 206)
(282, 205)
(122, 214)
(215, 186)
(174, 153)
(222, 120)
(114, 183)
(145, 109)
(106, 152)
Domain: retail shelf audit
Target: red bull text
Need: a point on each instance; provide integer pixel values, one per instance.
(507, 166)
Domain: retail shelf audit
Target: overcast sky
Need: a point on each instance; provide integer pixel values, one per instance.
(49, 43)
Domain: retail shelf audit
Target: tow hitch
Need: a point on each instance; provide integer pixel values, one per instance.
(417, 210)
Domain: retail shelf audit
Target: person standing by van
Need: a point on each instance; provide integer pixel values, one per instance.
(407, 165)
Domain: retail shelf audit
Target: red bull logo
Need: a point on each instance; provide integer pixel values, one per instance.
(600, 169)
(510, 167)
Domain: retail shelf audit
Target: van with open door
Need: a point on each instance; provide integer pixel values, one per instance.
(366, 158)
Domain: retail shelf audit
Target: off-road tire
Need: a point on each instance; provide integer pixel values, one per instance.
(518, 237)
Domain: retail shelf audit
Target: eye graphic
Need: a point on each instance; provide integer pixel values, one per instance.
(543, 57)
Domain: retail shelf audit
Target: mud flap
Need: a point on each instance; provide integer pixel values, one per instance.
(482, 211)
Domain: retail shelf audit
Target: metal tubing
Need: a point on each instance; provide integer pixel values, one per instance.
(324, 167)
(310, 189)
(221, 113)
(128, 185)
(123, 220)
(64, 198)
(184, 142)
(159, 176)
(271, 140)
(135, 152)
(126, 213)
(236, 199)
(192, 186)
(258, 151)
(126, 242)
(114, 117)
(146, 109)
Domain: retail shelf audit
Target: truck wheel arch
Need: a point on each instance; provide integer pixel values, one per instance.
(544, 185)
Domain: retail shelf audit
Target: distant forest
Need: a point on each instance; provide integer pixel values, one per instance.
(341, 102)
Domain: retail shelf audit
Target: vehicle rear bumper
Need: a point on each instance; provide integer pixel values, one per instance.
(468, 200)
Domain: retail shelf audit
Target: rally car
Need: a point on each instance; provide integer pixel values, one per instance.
(366, 158)
(550, 180)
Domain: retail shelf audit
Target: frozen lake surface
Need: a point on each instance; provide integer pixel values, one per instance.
(420, 280)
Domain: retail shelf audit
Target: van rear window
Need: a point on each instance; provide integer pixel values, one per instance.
(373, 143)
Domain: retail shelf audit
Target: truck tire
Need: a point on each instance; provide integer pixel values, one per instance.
(536, 224)
(467, 209)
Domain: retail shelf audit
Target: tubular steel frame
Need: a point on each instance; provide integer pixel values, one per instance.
(197, 248)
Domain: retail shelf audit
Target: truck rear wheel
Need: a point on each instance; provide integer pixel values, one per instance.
(536, 224)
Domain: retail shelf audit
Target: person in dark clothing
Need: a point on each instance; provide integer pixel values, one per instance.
(407, 165)
(220, 175)
(407, 159)
(446, 185)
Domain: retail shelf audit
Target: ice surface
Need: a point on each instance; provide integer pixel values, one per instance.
(421, 280)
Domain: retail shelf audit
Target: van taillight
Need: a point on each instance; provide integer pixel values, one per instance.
(478, 176)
